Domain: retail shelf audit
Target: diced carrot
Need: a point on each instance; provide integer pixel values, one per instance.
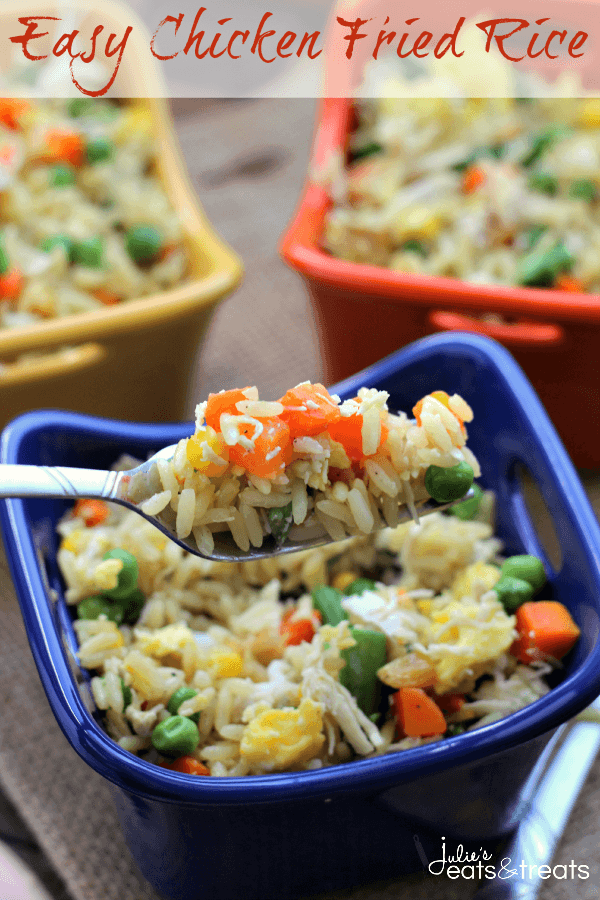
(222, 403)
(473, 178)
(93, 512)
(443, 398)
(187, 765)
(297, 631)
(108, 298)
(346, 475)
(417, 714)
(348, 432)
(11, 284)
(546, 629)
(65, 146)
(309, 409)
(566, 282)
(450, 703)
(11, 110)
(272, 450)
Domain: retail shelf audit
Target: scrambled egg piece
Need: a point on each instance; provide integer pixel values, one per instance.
(466, 638)
(225, 663)
(162, 641)
(278, 739)
(475, 580)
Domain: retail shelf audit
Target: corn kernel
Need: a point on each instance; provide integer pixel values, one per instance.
(207, 452)
(589, 114)
(72, 542)
(136, 120)
(424, 606)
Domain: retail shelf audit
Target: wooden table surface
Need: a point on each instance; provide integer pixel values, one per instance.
(247, 160)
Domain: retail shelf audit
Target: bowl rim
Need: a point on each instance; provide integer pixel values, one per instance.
(299, 246)
(133, 774)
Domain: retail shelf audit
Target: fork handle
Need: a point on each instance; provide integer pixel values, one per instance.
(59, 482)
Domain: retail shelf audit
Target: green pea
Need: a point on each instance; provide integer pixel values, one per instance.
(175, 736)
(62, 176)
(539, 269)
(497, 151)
(280, 521)
(543, 183)
(79, 107)
(468, 509)
(512, 592)
(328, 601)
(455, 728)
(451, 483)
(127, 695)
(414, 247)
(132, 605)
(128, 576)
(359, 586)
(527, 568)
(180, 695)
(366, 150)
(583, 189)
(89, 253)
(59, 240)
(94, 607)
(4, 260)
(99, 150)
(143, 243)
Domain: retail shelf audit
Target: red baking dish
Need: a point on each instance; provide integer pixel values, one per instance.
(365, 312)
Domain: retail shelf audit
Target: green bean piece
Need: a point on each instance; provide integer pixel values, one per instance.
(583, 189)
(366, 150)
(181, 694)
(359, 586)
(450, 483)
(143, 243)
(533, 234)
(132, 605)
(467, 162)
(62, 175)
(468, 509)
(127, 695)
(128, 576)
(543, 183)
(94, 607)
(280, 521)
(89, 253)
(4, 260)
(539, 269)
(363, 661)
(513, 592)
(526, 567)
(79, 107)
(175, 736)
(99, 150)
(415, 247)
(59, 240)
(328, 601)
(543, 142)
(497, 151)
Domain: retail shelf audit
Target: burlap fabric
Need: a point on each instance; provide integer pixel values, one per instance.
(247, 161)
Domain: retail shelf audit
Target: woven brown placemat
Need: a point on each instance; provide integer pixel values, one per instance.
(247, 162)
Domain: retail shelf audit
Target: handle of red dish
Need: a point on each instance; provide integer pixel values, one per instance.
(519, 334)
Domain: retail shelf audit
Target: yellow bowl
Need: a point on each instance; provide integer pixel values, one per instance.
(137, 357)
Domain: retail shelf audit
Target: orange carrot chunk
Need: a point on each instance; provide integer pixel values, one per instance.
(348, 432)
(417, 714)
(11, 284)
(187, 765)
(222, 403)
(11, 110)
(297, 631)
(473, 178)
(66, 146)
(450, 703)
(93, 512)
(546, 629)
(272, 450)
(106, 297)
(566, 282)
(309, 410)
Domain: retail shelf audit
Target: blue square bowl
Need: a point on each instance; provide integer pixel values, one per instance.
(292, 834)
